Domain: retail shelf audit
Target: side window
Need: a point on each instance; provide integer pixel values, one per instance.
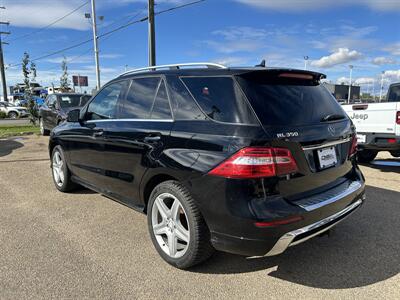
(50, 100)
(161, 109)
(140, 98)
(220, 98)
(104, 104)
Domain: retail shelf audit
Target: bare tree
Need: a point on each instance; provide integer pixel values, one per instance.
(64, 80)
(29, 73)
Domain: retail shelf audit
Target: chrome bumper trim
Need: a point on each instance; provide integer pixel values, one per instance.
(328, 144)
(287, 239)
(352, 188)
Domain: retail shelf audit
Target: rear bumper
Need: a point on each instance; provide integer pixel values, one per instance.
(301, 235)
(319, 215)
(380, 142)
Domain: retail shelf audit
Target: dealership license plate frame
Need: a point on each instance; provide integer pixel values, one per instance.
(324, 152)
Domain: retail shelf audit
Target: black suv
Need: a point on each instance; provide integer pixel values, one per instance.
(243, 160)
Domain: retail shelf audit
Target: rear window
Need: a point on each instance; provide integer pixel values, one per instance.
(288, 101)
(220, 98)
(69, 100)
(394, 93)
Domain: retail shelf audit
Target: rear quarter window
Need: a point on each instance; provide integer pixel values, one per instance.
(220, 98)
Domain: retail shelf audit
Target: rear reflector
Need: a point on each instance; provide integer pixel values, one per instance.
(279, 222)
(256, 162)
(353, 147)
(391, 141)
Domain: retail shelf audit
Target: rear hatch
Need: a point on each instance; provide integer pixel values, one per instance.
(300, 114)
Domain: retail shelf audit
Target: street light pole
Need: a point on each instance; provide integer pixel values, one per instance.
(95, 41)
(152, 35)
(380, 94)
(305, 62)
(351, 73)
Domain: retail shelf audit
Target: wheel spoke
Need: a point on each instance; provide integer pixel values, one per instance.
(160, 228)
(175, 210)
(182, 233)
(172, 244)
(56, 175)
(61, 175)
(162, 208)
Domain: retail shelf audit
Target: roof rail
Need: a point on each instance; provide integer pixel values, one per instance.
(176, 66)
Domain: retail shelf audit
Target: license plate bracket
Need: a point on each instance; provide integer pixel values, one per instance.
(361, 138)
(327, 157)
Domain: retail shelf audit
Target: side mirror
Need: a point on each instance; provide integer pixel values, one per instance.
(73, 115)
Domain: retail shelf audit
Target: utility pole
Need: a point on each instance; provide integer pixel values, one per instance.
(351, 73)
(96, 47)
(2, 71)
(152, 35)
(380, 94)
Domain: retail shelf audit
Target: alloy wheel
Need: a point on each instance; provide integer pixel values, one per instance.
(58, 168)
(170, 225)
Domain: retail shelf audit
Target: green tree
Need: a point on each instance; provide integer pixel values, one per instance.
(29, 73)
(64, 81)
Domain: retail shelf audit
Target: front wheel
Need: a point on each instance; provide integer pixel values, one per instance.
(60, 171)
(366, 156)
(12, 115)
(177, 228)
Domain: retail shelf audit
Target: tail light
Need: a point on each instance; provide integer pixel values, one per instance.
(256, 162)
(353, 148)
(398, 118)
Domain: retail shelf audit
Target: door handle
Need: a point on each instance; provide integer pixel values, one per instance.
(153, 138)
(98, 133)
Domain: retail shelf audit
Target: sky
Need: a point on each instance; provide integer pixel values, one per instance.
(333, 34)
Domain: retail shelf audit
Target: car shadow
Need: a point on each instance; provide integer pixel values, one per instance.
(8, 146)
(362, 250)
(385, 165)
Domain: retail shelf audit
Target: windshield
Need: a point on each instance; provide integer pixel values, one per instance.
(69, 100)
(287, 101)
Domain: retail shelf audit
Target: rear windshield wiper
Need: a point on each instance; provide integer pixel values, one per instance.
(332, 117)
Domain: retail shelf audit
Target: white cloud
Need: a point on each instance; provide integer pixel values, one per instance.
(342, 55)
(392, 75)
(381, 60)
(364, 80)
(36, 14)
(393, 49)
(231, 61)
(234, 33)
(311, 5)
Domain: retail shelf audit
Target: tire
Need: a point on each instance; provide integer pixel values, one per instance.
(12, 115)
(366, 156)
(182, 221)
(60, 172)
(395, 153)
(43, 130)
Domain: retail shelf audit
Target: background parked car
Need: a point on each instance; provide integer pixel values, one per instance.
(54, 110)
(13, 111)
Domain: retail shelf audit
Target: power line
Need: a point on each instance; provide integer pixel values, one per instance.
(49, 25)
(105, 34)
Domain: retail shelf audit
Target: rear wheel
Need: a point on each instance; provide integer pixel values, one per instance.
(366, 156)
(177, 228)
(395, 153)
(60, 171)
(43, 130)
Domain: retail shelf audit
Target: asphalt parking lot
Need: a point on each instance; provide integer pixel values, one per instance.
(83, 245)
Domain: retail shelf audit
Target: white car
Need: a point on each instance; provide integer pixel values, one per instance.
(13, 111)
(377, 125)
